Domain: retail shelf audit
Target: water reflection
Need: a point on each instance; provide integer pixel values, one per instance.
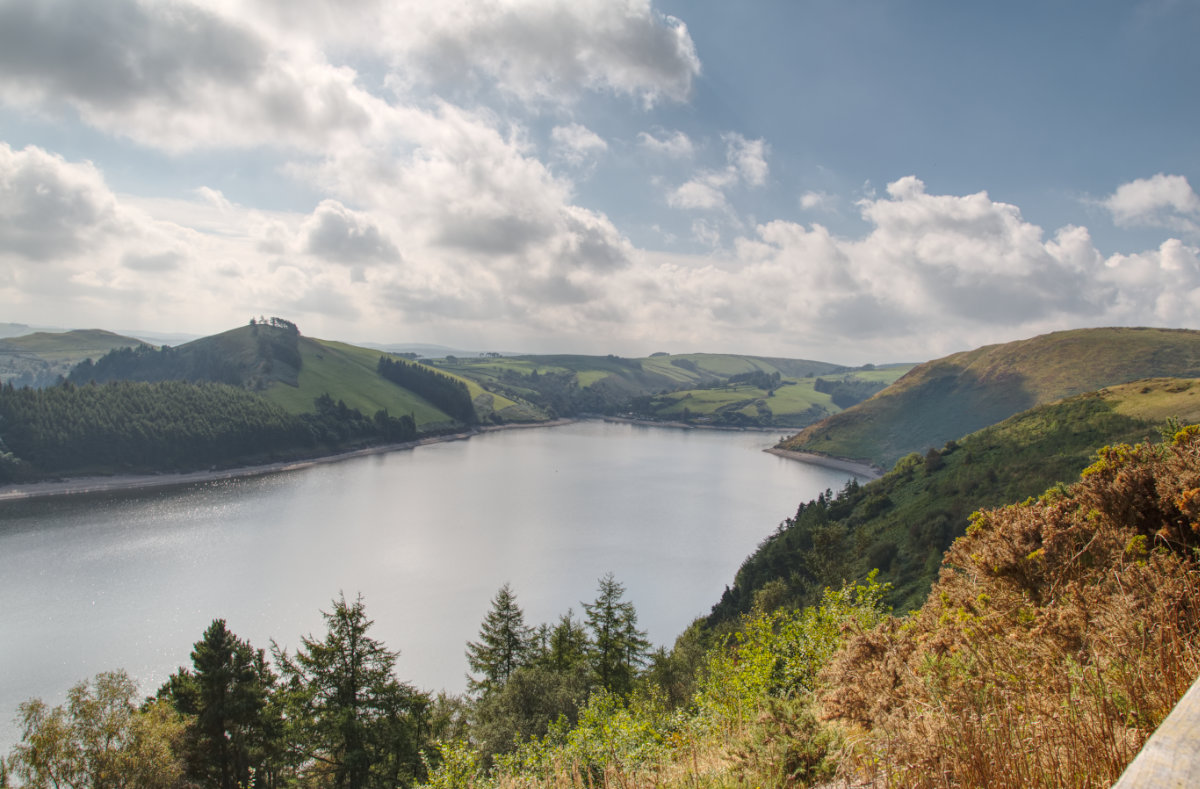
(427, 536)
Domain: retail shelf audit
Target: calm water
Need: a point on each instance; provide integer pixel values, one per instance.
(427, 536)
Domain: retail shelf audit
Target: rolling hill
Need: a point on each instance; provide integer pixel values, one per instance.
(903, 522)
(946, 398)
(39, 358)
(286, 368)
(702, 388)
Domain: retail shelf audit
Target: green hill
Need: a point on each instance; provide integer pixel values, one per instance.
(958, 394)
(721, 389)
(39, 358)
(347, 373)
(903, 522)
(292, 371)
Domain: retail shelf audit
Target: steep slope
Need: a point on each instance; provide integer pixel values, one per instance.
(958, 394)
(347, 373)
(39, 358)
(1060, 634)
(904, 521)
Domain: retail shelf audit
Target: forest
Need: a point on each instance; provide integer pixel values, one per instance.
(449, 394)
(126, 426)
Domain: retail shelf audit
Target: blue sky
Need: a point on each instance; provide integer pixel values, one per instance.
(852, 181)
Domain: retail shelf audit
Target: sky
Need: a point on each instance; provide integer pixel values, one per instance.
(846, 180)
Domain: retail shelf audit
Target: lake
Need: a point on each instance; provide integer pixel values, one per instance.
(427, 536)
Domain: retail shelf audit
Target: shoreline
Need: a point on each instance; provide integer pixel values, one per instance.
(861, 469)
(78, 486)
(625, 420)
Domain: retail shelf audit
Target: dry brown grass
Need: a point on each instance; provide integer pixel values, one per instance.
(1060, 633)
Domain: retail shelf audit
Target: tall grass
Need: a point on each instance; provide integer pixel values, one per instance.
(1059, 635)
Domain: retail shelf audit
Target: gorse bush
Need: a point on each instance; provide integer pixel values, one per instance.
(1060, 633)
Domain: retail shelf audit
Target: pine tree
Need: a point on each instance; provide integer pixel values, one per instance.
(504, 644)
(567, 644)
(618, 648)
(233, 732)
(354, 722)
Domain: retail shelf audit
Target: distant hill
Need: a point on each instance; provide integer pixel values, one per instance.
(292, 371)
(958, 394)
(903, 522)
(701, 388)
(39, 358)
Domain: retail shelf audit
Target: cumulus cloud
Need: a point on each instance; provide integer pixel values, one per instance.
(339, 235)
(67, 240)
(1159, 201)
(675, 145)
(176, 76)
(704, 192)
(576, 143)
(747, 157)
(183, 75)
(540, 49)
(50, 209)
(707, 190)
(810, 200)
(935, 273)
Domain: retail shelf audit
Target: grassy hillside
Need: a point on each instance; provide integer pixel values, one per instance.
(950, 397)
(292, 371)
(903, 522)
(794, 402)
(684, 386)
(38, 359)
(347, 373)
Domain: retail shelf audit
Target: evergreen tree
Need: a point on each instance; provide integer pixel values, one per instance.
(566, 644)
(353, 722)
(618, 648)
(233, 731)
(504, 645)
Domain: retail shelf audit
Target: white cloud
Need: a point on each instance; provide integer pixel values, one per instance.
(1159, 201)
(675, 145)
(707, 190)
(550, 49)
(467, 235)
(49, 209)
(935, 273)
(576, 143)
(815, 200)
(176, 76)
(339, 235)
(747, 157)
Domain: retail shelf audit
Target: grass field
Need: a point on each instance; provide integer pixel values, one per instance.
(348, 373)
(795, 404)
